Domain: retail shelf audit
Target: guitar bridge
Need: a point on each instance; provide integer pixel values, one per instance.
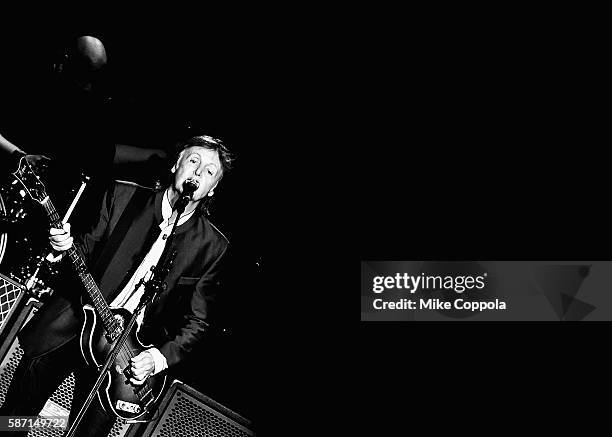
(128, 407)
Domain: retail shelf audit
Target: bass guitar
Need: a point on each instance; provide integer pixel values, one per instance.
(102, 330)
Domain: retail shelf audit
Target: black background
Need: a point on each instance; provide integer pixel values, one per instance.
(495, 136)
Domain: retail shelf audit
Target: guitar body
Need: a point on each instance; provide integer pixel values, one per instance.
(117, 394)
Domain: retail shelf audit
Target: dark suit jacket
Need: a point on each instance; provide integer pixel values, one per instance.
(179, 317)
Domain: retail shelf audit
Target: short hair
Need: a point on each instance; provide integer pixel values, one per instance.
(226, 158)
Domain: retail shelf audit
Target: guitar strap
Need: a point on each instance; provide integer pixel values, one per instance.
(134, 206)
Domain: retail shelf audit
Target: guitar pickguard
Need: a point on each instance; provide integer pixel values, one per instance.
(117, 396)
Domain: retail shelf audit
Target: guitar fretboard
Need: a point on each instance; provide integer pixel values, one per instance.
(78, 262)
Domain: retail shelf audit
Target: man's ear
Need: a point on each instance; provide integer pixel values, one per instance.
(173, 169)
(210, 192)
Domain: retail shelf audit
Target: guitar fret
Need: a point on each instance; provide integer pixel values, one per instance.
(92, 289)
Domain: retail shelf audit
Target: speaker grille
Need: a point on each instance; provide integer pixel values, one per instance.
(63, 395)
(9, 292)
(57, 405)
(7, 369)
(119, 428)
(188, 417)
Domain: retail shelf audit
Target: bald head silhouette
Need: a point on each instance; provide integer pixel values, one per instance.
(85, 57)
(90, 51)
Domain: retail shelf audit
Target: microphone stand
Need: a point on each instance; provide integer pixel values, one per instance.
(153, 286)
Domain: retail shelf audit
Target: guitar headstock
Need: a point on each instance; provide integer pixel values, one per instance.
(30, 181)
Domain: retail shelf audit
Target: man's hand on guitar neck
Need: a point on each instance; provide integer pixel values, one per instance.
(60, 239)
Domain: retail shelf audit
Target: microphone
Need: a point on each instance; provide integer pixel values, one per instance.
(189, 187)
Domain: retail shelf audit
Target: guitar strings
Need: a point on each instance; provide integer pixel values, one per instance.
(124, 352)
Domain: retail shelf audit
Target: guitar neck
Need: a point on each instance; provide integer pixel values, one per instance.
(78, 263)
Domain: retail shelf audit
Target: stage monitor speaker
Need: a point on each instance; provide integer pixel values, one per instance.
(11, 294)
(13, 301)
(185, 412)
(16, 309)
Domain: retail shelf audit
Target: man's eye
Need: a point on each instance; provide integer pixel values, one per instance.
(210, 172)
(193, 160)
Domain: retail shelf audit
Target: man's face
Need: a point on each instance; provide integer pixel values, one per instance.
(200, 164)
